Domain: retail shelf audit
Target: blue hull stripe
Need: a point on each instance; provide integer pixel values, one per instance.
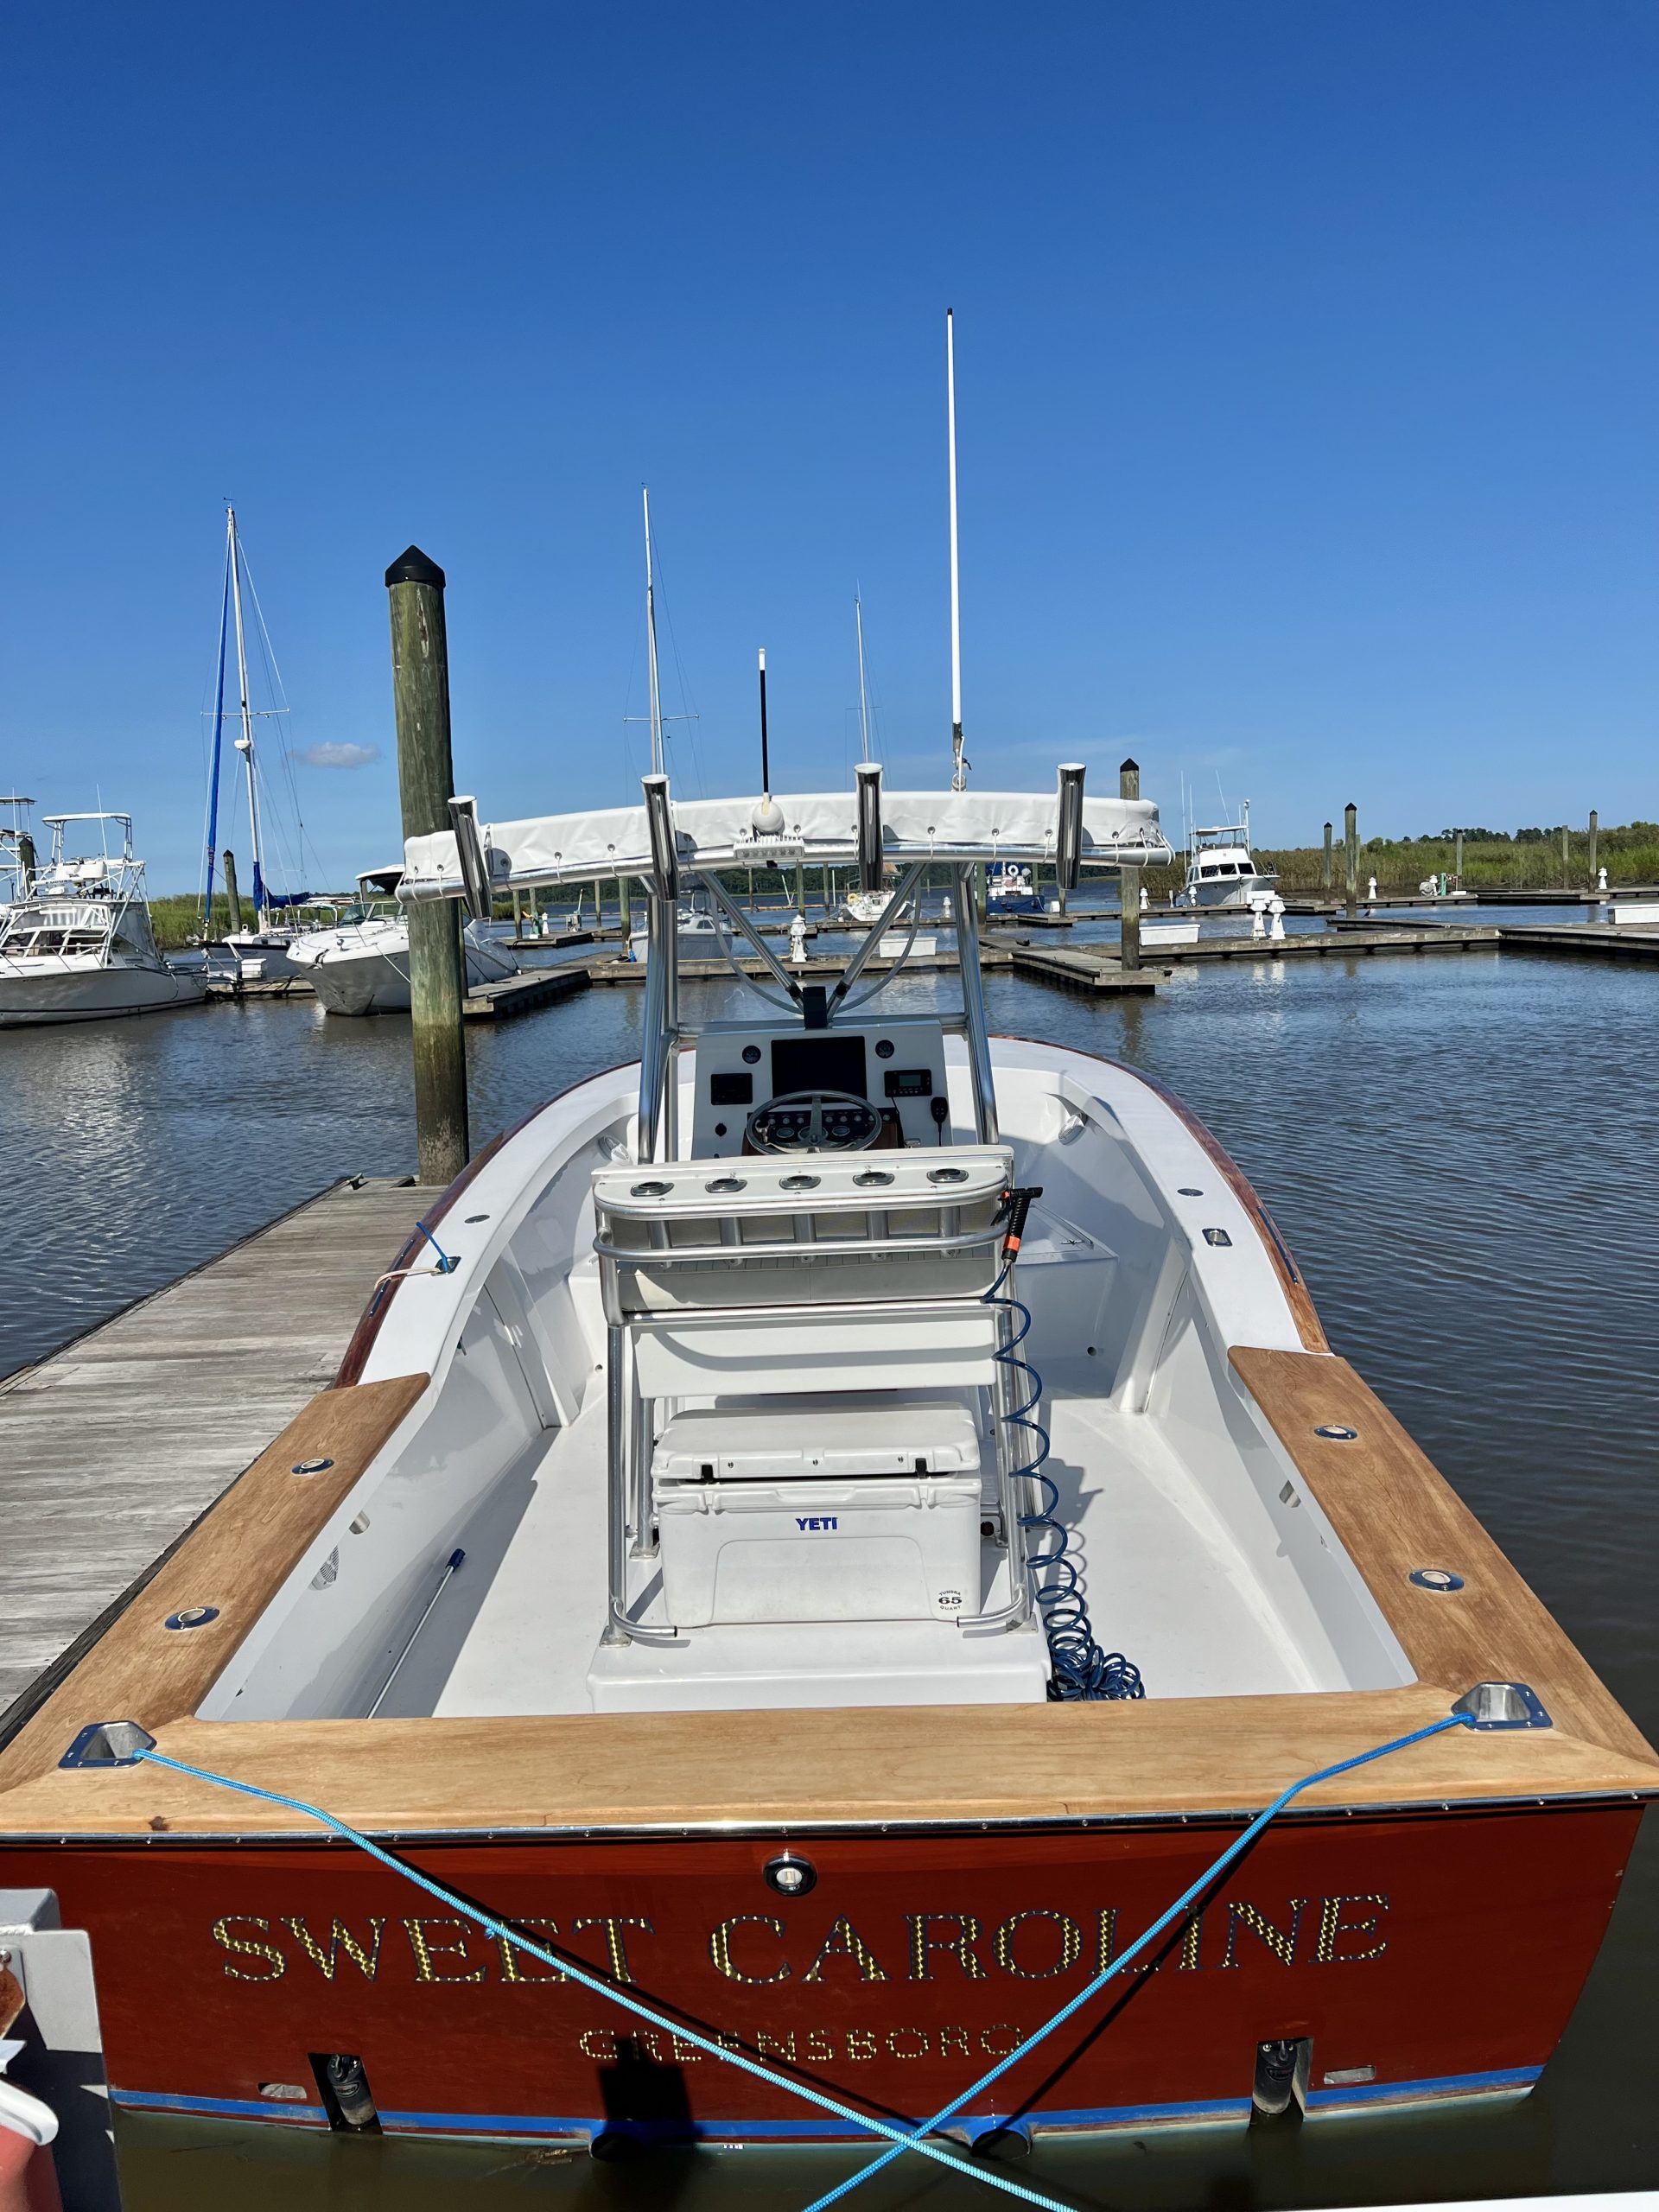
(1512, 2082)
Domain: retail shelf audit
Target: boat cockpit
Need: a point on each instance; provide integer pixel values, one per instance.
(832, 1357)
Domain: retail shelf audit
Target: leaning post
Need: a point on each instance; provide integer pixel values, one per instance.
(426, 782)
(1595, 834)
(1350, 842)
(1128, 880)
(231, 893)
(1326, 877)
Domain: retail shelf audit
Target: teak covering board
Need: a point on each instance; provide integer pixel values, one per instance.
(1057, 1763)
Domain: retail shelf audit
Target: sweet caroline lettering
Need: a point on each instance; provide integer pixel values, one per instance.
(1279, 1941)
(435, 1952)
(1334, 1926)
(720, 1948)
(923, 1942)
(844, 1942)
(248, 1947)
(1069, 1950)
(339, 1938)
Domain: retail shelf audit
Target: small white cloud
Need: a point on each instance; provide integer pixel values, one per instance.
(337, 756)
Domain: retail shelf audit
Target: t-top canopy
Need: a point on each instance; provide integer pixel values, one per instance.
(818, 828)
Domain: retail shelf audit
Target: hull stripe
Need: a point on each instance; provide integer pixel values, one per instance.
(1510, 2081)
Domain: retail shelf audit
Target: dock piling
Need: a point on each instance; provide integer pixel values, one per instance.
(1595, 833)
(1326, 877)
(1457, 871)
(1129, 879)
(1351, 846)
(1566, 860)
(419, 678)
(230, 892)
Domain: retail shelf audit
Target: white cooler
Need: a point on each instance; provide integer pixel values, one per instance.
(861, 1507)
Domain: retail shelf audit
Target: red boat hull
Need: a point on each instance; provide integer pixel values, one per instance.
(1424, 1955)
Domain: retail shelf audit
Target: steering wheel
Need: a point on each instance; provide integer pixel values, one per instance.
(814, 1121)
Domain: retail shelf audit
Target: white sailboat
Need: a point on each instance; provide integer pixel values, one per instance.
(263, 948)
(76, 944)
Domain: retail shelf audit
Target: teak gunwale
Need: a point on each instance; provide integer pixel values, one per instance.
(561, 1775)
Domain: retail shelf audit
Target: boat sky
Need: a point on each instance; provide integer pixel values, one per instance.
(1304, 364)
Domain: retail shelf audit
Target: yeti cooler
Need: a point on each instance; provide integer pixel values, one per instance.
(855, 1506)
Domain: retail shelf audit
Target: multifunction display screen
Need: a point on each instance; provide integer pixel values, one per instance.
(817, 1062)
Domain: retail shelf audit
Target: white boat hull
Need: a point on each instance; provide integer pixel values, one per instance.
(364, 971)
(51, 991)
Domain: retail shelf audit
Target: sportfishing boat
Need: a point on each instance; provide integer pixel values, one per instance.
(829, 1544)
(1010, 893)
(1220, 869)
(360, 964)
(76, 943)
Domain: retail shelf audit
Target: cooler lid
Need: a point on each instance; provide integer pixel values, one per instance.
(847, 1433)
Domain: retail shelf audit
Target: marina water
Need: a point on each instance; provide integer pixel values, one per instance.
(1456, 1148)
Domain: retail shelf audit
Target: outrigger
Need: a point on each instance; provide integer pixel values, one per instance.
(821, 1539)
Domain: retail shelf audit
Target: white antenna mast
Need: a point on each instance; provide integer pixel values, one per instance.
(244, 743)
(958, 764)
(651, 647)
(863, 695)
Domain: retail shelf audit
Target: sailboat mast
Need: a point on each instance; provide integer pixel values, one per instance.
(863, 695)
(651, 647)
(244, 743)
(219, 737)
(958, 764)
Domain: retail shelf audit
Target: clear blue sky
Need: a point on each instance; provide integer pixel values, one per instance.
(1306, 360)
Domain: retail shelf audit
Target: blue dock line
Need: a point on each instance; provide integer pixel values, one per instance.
(898, 2138)
(1188, 1896)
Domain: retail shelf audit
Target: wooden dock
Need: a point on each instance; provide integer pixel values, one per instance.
(520, 994)
(111, 1447)
(523, 993)
(1627, 940)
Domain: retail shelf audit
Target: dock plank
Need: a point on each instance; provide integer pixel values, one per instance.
(113, 1447)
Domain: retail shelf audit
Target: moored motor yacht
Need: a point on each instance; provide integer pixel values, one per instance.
(77, 944)
(359, 963)
(826, 1536)
(1221, 870)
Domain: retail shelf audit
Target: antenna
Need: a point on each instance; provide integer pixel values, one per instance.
(958, 764)
(863, 695)
(656, 708)
(765, 768)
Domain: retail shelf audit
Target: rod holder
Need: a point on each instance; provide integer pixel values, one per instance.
(475, 866)
(659, 824)
(870, 855)
(1068, 835)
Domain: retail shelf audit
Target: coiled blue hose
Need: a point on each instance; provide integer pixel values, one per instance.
(1081, 1671)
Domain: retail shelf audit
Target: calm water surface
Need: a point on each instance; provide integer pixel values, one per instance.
(1460, 1149)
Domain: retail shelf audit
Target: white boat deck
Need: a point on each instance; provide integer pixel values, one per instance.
(519, 1631)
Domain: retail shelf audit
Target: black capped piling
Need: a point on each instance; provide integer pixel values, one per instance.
(1327, 878)
(426, 783)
